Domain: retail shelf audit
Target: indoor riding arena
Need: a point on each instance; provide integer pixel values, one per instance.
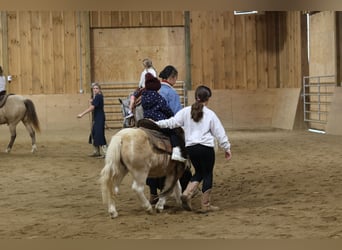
(281, 111)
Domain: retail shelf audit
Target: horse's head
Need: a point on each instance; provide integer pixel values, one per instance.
(127, 122)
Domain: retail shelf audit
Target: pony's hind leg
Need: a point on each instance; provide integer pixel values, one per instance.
(32, 135)
(139, 189)
(176, 193)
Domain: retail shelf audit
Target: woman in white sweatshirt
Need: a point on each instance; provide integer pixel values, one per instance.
(201, 127)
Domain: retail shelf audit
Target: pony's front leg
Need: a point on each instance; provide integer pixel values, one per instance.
(176, 193)
(160, 204)
(139, 189)
(112, 209)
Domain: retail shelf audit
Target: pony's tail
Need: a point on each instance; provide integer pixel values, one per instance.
(111, 169)
(31, 114)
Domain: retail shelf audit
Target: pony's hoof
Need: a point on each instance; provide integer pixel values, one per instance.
(149, 209)
(159, 208)
(113, 215)
(7, 150)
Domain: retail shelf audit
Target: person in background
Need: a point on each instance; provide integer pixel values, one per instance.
(201, 126)
(3, 82)
(99, 119)
(148, 68)
(168, 78)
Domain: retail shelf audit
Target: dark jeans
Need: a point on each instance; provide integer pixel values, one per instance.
(203, 160)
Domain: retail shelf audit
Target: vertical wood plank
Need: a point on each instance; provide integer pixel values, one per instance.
(262, 51)
(271, 51)
(48, 77)
(115, 19)
(125, 19)
(86, 52)
(105, 18)
(58, 51)
(196, 48)
(240, 53)
(229, 50)
(25, 51)
(71, 50)
(146, 18)
(94, 19)
(167, 18)
(156, 18)
(14, 51)
(207, 48)
(136, 18)
(251, 56)
(4, 42)
(3, 36)
(178, 18)
(218, 51)
(37, 84)
(282, 48)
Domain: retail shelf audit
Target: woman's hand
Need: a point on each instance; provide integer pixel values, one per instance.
(228, 155)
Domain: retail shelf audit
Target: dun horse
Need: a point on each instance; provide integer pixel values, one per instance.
(131, 150)
(15, 109)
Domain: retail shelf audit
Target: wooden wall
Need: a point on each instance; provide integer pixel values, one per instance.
(124, 19)
(116, 54)
(41, 49)
(323, 44)
(323, 67)
(47, 51)
(232, 52)
(247, 51)
(47, 55)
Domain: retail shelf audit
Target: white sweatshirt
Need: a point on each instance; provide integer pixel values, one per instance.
(203, 132)
(142, 76)
(2, 83)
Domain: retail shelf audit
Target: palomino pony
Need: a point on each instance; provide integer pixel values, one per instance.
(15, 109)
(133, 121)
(131, 150)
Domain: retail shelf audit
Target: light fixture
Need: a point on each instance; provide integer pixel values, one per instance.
(245, 12)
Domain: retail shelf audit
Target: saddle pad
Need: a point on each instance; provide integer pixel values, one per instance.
(158, 140)
(147, 123)
(3, 99)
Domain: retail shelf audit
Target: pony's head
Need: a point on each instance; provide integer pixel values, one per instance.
(127, 122)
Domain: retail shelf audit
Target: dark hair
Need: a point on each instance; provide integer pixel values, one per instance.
(168, 71)
(151, 82)
(1, 71)
(202, 94)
